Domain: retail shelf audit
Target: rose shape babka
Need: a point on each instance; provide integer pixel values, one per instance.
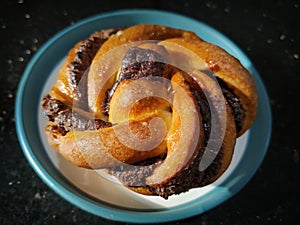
(157, 107)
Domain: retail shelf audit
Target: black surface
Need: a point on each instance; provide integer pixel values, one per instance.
(268, 31)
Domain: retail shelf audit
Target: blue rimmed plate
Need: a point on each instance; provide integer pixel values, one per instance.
(98, 193)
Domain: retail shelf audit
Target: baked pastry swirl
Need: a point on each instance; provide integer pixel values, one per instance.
(144, 103)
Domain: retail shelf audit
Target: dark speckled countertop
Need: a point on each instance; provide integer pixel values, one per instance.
(268, 31)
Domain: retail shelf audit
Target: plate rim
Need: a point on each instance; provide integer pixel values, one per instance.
(107, 211)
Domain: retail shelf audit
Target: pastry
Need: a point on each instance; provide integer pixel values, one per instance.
(157, 107)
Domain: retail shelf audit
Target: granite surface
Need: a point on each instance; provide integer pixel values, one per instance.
(268, 31)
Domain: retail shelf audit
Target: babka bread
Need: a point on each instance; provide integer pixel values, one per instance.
(157, 107)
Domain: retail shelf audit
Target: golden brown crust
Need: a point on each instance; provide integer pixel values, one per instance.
(137, 99)
(104, 148)
(140, 190)
(61, 90)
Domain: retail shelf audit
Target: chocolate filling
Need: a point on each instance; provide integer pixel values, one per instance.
(233, 101)
(135, 175)
(235, 105)
(65, 119)
(205, 112)
(82, 60)
(136, 63)
(190, 177)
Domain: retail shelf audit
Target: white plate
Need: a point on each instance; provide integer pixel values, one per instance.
(98, 193)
